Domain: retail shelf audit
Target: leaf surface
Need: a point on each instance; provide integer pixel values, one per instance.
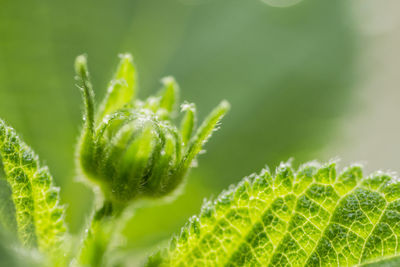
(36, 210)
(309, 217)
(122, 88)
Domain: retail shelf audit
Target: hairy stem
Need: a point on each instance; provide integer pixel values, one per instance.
(99, 235)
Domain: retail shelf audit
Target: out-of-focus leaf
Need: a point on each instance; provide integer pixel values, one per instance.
(7, 209)
(12, 255)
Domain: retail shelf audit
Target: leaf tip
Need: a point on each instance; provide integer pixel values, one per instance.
(224, 106)
(81, 64)
(126, 57)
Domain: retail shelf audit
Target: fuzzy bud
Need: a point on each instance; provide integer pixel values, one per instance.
(131, 148)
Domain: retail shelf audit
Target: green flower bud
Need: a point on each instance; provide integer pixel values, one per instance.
(131, 148)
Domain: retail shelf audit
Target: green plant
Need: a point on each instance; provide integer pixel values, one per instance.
(131, 150)
(312, 217)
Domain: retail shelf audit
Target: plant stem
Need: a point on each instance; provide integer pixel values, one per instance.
(99, 235)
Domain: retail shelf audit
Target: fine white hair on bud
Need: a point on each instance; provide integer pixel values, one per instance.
(131, 148)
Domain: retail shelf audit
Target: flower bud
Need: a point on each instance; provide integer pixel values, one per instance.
(131, 148)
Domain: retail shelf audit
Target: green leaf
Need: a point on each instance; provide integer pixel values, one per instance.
(204, 132)
(85, 86)
(188, 122)
(390, 262)
(308, 217)
(38, 215)
(7, 210)
(122, 88)
(164, 103)
(11, 254)
(169, 95)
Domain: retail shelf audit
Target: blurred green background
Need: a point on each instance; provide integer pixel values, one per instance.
(289, 74)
